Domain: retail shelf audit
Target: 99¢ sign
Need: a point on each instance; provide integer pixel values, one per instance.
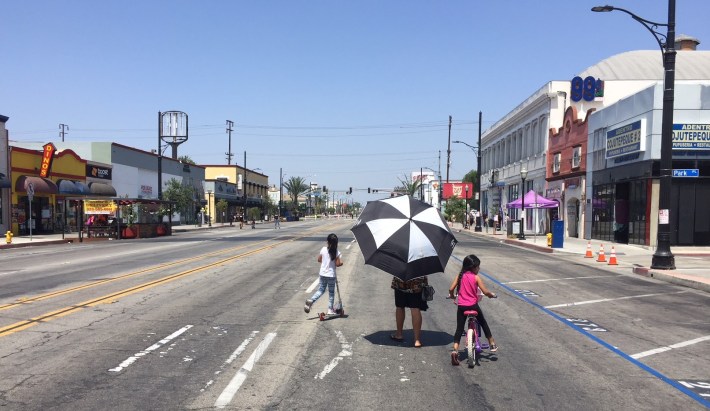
(587, 89)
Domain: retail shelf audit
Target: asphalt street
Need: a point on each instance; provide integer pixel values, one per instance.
(210, 319)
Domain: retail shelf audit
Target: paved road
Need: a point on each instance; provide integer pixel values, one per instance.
(213, 318)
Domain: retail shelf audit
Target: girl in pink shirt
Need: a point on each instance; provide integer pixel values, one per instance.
(467, 285)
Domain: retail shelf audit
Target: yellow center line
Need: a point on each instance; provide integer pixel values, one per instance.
(24, 324)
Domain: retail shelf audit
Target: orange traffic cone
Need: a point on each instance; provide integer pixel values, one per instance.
(602, 257)
(612, 257)
(589, 250)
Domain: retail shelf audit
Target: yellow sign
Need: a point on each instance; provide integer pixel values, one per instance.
(99, 207)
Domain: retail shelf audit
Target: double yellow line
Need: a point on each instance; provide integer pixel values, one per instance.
(24, 324)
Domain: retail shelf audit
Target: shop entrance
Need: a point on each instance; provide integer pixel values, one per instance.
(690, 220)
(41, 213)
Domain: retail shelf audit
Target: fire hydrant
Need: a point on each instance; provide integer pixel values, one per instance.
(8, 237)
(549, 239)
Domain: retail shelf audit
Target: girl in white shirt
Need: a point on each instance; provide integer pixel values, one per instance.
(329, 258)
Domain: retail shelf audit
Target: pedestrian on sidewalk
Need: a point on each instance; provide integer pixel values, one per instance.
(329, 257)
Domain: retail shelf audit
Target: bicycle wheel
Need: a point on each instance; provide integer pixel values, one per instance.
(471, 348)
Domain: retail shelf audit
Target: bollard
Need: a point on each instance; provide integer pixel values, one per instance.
(8, 237)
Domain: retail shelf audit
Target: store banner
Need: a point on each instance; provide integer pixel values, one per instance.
(99, 207)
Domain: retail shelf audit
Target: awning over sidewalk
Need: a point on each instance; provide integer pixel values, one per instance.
(4, 182)
(102, 189)
(41, 185)
(72, 187)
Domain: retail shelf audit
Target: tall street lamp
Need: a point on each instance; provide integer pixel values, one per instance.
(523, 176)
(663, 257)
(477, 183)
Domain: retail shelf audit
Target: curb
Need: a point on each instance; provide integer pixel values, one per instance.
(30, 244)
(678, 279)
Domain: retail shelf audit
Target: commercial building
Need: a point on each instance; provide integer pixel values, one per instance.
(606, 184)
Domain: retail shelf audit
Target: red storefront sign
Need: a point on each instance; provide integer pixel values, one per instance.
(47, 158)
(458, 190)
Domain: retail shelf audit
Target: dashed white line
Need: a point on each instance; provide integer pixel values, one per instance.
(670, 347)
(130, 360)
(609, 299)
(346, 350)
(231, 390)
(313, 286)
(557, 279)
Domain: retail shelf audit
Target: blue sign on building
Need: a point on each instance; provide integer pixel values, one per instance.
(686, 172)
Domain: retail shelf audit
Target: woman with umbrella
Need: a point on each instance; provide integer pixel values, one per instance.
(408, 239)
(409, 294)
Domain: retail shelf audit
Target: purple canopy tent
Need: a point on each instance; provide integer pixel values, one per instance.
(534, 200)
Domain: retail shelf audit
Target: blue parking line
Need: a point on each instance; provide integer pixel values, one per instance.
(673, 383)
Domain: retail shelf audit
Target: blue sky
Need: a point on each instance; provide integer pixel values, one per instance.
(343, 93)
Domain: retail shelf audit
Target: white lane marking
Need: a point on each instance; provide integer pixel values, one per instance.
(558, 279)
(313, 286)
(346, 350)
(232, 357)
(231, 390)
(609, 299)
(136, 356)
(670, 347)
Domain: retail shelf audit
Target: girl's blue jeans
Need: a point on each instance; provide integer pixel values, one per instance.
(326, 282)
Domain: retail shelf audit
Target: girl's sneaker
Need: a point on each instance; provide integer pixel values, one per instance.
(494, 348)
(330, 312)
(307, 307)
(454, 358)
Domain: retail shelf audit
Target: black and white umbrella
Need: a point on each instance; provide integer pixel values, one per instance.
(404, 237)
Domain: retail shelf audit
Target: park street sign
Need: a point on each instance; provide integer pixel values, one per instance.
(686, 172)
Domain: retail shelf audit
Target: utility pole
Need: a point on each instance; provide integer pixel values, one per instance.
(478, 175)
(244, 186)
(448, 153)
(229, 154)
(61, 133)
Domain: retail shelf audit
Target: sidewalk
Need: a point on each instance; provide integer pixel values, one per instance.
(47, 239)
(692, 263)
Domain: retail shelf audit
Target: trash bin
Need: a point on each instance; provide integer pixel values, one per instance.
(558, 233)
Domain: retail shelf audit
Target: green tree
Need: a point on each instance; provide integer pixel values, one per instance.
(472, 177)
(180, 194)
(221, 207)
(408, 187)
(270, 207)
(455, 209)
(296, 186)
(186, 160)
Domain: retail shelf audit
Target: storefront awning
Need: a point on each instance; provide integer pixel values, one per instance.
(102, 189)
(41, 185)
(72, 187)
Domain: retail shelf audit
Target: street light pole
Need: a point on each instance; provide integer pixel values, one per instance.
(209, 207)
(663, 258)
(478, 175)
(523, 176)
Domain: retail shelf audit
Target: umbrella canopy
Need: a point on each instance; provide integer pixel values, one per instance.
(534, 200)
(404, 237)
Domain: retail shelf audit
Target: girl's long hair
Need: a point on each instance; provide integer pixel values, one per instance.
(470, 262)
(332, 246)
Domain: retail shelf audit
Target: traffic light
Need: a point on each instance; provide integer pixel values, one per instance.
(325, 189)
(351, 190)
(368, 190)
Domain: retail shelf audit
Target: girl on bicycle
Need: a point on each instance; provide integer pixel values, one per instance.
(329, 258)
(466, 285)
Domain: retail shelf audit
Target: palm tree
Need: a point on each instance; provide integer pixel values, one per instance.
(296, 186)
(409, 187)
